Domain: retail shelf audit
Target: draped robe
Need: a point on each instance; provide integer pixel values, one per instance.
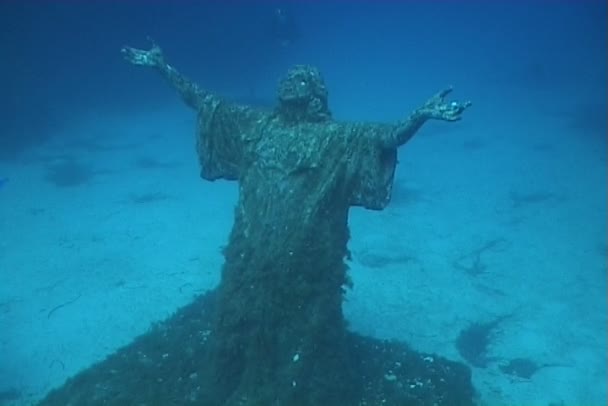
(279, 321)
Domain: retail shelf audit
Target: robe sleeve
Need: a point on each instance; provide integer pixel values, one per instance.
(372, 167)
(226, 134)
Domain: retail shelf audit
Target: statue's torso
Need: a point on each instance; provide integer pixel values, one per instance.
(295, 175)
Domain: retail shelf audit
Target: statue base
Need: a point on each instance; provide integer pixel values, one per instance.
(169, 366)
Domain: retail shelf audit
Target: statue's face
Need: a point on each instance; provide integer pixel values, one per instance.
(303, 95)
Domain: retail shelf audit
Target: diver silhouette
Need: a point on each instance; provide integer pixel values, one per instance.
(284, 29)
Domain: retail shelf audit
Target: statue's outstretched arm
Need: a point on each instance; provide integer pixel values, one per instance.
(435, 108)
(192, 95)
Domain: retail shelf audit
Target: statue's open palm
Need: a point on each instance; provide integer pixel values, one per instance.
(437, 107)
(153, 57)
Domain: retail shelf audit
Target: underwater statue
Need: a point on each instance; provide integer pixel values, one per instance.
(277, 334)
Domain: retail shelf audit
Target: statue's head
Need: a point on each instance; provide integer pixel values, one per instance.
(303, 96)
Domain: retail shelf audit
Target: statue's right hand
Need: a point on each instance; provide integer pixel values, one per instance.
(153, 57)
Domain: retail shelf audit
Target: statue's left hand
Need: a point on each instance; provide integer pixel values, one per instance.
(437, 107)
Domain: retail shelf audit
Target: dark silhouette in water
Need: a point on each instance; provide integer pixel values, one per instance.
(273, 332)
(284, 29)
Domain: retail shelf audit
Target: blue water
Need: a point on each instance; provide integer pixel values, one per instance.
(502, 213)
